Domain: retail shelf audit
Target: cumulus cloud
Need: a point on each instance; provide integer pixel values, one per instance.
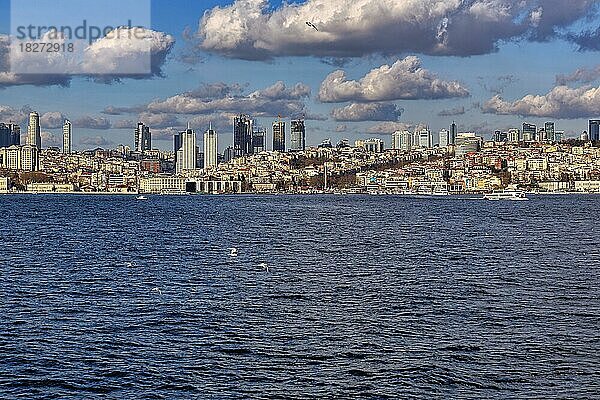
(581, 75)
(19, 116)
(452, 112)
(125, 124)
(277, 99)
(217, 90)
(52, 120)
(561, 102)
(497, 85)
(106, 60)
(341, 128)
(91, 122)
(405, 80)
(95, 141)
(387, 128)
(49, 139)
(251, 29)
(357, 112)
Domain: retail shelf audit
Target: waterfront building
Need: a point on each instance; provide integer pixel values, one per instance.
(20, 158)
(143, 138)
(279, 136)
(529, 132)
(67, 137)
(298, 135)
(594, 131)
(210, 148)
(34, 136)
(187, 155)
(242, 135)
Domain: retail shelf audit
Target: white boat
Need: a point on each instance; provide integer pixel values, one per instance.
(511, 195)
(141, 198)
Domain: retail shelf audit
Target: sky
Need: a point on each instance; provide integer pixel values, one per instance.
(363, 68)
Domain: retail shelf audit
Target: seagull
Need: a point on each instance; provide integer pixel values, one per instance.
(233, 252)
(312, 26)
(157, 290)
(264, 266)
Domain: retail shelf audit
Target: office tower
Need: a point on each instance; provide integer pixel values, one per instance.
(15, 134)
(298, 135)
(444, 138)
(242, 135)
(453, 133)
(593, 132)
(514, 135)
(549, 128)
(187, 155)
(279, 136)
(210, 148)
(34, 136)
(372, 145)
(425, 138)
(5, 136)
(396, 140)
(406, 141)
(67, 137)
(529, 132)
(177, 144)
(258, 140)
(467, 143)
(143, 138)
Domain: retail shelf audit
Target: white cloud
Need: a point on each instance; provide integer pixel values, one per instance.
(251, 29)
(561, 102)
(91, 122)
(404, 80)
(357, 112)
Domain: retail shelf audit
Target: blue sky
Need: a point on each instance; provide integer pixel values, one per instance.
(525, 61)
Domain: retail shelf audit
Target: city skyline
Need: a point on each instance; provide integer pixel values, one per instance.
(533, 63)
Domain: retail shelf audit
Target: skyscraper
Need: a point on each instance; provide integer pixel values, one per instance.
(210, 148)
(406, 140)
(279, 136)
(5, 135)
(396, 140)
(594, 132)
(550, 132)
(67, 137)
(143, 138)
(15, 139)
(259, 135)
(187, 155)
(298, 135)
(34, 137)
(529, 132)
(453, 133)
(425, 138)
(444, 138)
(177, 144)
(242, 135)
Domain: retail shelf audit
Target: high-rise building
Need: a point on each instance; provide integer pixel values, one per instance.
(67, 137)
(177, 144)
(406, 140)
(467, 143)
(259, 136)
(279, 136)
(143, 138)
(594, 132)
(425, 138)
(549, 128)
(242, 135)
(372, 145)
(453, 133)
(15, 134)
(210, 148)
(298, 135)
(5, 136)
(187, 155)
(514, 135)
(500, 136)
(396, 140)
(34, 135)
(529, 132)
(444, 138)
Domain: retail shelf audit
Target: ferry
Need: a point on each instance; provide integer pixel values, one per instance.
(141, 198)
(512, 195)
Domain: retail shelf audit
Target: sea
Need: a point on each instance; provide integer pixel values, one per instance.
(324, 297)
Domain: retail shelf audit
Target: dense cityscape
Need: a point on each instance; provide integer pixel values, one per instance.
(532, 158)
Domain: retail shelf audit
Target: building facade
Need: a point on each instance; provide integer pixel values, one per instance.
(67, 137)
(143, 138)
(298, 135)
(210, 148)
(34, 136)
(279, 136)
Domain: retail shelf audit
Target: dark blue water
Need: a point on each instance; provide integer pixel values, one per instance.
(365, 297)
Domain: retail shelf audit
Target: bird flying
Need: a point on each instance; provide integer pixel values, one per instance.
(312, 26)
